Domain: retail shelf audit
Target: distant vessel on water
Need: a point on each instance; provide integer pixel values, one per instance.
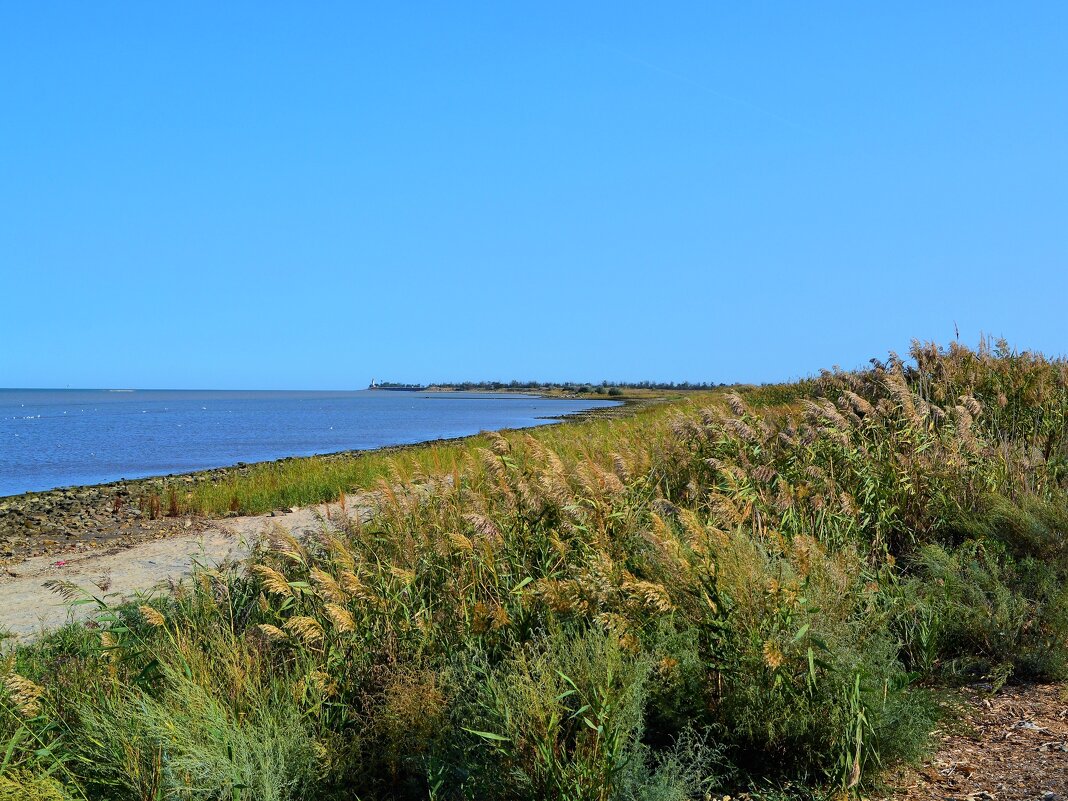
(395, 387)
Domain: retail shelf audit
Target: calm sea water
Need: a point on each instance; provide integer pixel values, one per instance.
(56, 438)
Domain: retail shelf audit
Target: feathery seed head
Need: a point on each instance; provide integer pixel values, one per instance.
(272, 633)
(151, 615)
(24, 695)
(340, 617)
(326, 585)
(306, 629)
(273, 581)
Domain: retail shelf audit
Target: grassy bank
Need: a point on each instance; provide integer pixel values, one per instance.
(761, 591)
(266, 486)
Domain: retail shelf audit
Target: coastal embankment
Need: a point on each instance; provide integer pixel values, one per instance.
(123, 513)
(131, 537)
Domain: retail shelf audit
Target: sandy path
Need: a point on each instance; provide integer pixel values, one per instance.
(27, 606)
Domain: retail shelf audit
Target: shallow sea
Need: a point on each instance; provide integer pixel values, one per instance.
(55, 438)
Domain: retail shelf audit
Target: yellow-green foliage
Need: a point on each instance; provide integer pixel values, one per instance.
(25, 788)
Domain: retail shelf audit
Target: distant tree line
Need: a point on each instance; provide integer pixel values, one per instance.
(604, 388)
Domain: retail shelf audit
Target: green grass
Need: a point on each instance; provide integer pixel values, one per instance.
(765, 591)
(315, 480)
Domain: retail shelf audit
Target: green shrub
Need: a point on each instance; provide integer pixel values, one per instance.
(185, 743)
(812, 681)
(564, 719)
(1027, 526)
(976, 612)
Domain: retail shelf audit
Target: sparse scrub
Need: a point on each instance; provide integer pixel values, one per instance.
(760, 589)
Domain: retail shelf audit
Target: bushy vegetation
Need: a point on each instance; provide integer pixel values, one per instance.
(765, 590)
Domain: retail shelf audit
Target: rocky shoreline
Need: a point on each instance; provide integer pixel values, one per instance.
(79, 518)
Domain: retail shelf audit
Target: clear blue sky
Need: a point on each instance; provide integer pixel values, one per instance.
(306, 195)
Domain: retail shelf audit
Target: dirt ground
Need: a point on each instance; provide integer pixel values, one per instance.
(1013, 746)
